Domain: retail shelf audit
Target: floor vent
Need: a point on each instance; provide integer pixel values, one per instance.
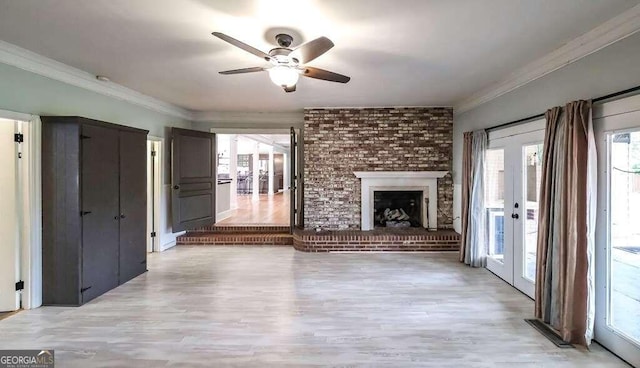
(548, 333)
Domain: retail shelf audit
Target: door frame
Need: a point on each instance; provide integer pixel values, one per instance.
(154, 243)
(30, 207)
(616, 117)
(299, 157)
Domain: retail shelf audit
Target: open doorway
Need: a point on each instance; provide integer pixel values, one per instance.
(20, 240)
(253, 179)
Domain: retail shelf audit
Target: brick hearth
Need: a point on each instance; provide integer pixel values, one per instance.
(412, 240)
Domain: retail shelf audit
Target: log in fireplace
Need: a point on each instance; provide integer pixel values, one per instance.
(397, 208)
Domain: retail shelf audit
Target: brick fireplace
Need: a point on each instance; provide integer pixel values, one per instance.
(390, 141)
(424, 182)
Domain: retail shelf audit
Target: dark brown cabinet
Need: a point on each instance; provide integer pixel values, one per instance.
(94, 208)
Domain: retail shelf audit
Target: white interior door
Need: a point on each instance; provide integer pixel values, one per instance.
(9, 226)
(617, 257)
(513, 171)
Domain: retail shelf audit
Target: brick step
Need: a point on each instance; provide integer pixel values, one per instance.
(244, 229)
(379, 240)
(210, 238)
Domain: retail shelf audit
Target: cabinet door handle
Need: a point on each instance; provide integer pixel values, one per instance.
(82, 213)
(122, 216)
(176, 187)
(515, 216)
(116, 218)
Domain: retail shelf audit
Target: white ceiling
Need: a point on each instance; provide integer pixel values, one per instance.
(398, 53)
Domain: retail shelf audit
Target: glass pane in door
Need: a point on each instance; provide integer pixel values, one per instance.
(624, 235)
(532, 175)
(494, 202)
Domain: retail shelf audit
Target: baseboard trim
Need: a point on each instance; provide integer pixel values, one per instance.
(224, 215)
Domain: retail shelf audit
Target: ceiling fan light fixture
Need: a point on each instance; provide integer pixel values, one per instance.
(283, 76)
(286, 68)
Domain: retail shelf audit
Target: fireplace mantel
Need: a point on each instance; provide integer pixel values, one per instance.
(400, 174)
(426, 181)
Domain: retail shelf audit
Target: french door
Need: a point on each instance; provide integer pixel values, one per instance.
(513, 170)
(617, 253)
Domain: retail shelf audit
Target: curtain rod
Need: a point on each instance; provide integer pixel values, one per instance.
(539, 116)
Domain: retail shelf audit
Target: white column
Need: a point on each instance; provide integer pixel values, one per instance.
(271, 169)
(256, 172)
(233, 169)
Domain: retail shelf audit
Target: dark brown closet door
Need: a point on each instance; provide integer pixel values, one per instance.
(133, 204)
(193, 179)
(100, 215)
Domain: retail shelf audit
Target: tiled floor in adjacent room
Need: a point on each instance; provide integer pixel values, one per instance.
(249, 306)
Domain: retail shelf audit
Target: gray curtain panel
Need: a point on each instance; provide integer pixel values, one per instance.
(473, 248)
(467, 173)
(562, 263)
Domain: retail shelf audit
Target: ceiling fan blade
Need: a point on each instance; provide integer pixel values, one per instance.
(317, 73)
(312, 49)
(242, 45)
(243, 70)
(290, 89)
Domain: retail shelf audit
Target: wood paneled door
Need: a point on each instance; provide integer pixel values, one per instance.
(133, 205)
(193, 179)
(100, 210)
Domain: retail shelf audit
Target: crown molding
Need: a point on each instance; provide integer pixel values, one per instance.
(609, 32)
(35, 63)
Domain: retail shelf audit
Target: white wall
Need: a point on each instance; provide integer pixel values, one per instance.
(612, 69)
(30, 93)
(249, 120)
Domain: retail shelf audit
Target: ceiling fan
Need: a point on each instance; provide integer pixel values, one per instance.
(288, 64)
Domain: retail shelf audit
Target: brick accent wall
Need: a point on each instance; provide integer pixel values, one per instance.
(339, 141)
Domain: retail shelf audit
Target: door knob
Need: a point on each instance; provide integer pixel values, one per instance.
(515, 216)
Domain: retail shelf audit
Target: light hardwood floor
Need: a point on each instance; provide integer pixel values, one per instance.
(217, 306)
(268, 210)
